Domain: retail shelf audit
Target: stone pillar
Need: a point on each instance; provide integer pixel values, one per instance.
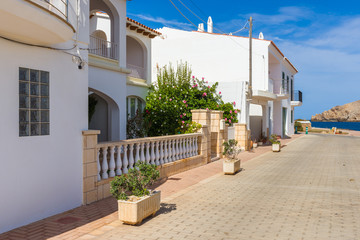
(242, 135)
(204, 118)
(225, 138)
(216, 133)
(90, 170)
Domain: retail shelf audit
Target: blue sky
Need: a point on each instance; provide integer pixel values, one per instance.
(321, 38)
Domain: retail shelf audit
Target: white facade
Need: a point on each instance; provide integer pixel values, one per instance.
(225, 59)
(42, 175)
(119, 84)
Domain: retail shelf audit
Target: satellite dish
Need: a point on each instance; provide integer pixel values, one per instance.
(261, 35)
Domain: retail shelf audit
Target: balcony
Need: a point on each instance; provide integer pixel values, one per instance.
(296, 99)
(282, 91)
(40, 22)
(136, 71)
(103, 48)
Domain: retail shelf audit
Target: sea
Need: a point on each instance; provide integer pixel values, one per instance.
(342, 125)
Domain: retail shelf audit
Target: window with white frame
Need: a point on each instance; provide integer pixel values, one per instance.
(134, 105)
(34, 102)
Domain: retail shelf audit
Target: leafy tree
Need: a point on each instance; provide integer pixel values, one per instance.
(171, 99)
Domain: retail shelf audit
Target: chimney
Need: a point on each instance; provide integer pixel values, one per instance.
(261, 35)
(201, 27)
(210, 25)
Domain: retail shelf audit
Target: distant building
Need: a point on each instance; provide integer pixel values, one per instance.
(225, 59)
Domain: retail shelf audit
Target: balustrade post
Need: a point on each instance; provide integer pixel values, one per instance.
(166, 152)
(174, 149)
(104, 165)
(177, 152)
(142, 152)
(98, 164)
(161, 152)
(137, 155)
(147, 152)
(170, 151)
(196, 146)
(125, 161)
(131, 156)
(112, 162)
(157, 155)
(152, 156)
(118, 161)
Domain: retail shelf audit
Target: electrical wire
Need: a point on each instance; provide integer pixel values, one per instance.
(244, 27)
(39, 46)
(182, 13)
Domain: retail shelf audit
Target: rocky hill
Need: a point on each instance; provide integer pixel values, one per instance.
(349, 112)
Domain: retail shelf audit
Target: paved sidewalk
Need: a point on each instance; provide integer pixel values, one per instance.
(310, 190)
(97, 218)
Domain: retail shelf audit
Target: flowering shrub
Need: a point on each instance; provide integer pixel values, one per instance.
(171, 99)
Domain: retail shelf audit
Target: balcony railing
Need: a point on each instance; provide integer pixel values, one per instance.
(103, 48)
(136, 71)
(297, 96)
(58, 7)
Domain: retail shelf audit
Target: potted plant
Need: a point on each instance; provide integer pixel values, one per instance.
(232, 163)
(135, 201)
(275, 143)
(255, 144)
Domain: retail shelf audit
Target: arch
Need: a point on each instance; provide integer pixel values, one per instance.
(136, 57)
(99, 34)
(106, 117)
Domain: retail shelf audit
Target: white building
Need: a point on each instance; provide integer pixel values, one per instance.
(44, 108)
(54, 54)
(120, 67)
(225, 59)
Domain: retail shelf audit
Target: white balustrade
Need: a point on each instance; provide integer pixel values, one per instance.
(116, 158)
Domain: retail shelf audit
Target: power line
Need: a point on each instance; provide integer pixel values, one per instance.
(182, 13)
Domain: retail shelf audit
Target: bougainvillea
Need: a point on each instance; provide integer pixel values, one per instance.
(171, 99)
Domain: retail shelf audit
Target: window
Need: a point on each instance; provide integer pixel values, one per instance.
(287, 84)
(34, 102)
(134, 104)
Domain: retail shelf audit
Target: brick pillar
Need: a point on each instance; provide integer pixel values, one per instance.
(204, 118)
(242, 135)
(216, 133)
(90, 170)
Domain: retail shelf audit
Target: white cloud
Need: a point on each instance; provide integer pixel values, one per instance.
(164, 22)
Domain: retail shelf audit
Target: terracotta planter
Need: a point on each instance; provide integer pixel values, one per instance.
(276, 147)
(231, 166)
(134, 212)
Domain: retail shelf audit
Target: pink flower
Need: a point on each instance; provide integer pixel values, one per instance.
(208, 86)
(234, 103)
(159, 97)
(217, 105)
(231, 117)
(193, 86)
(229, 120)
(207, 109)
(204, 94)
(207, 81)
(193, 76)
(181, 116)
(186, 105)
(196, 85)
(235, 111)
(230, 111)
(170, 99)
(203, 78)
(225, 119)
(184, 101)
(183, 122)
(219, 92)
(184, 114)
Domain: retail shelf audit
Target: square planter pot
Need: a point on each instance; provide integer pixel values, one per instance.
(276, 147)
(134, 212)
(255, 145)
(260, 143)
(231, 166)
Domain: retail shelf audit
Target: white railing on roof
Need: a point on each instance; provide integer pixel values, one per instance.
(136, 71)
(103, 48)
(116, 158)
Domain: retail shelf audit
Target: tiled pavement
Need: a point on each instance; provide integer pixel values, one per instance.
(308, 191)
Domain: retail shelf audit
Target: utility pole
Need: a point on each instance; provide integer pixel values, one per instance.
(250, 57)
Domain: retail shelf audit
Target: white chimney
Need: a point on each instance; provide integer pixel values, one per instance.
(210, 25)
(201, 27)
(261, 35)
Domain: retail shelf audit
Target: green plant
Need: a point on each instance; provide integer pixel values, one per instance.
(92, 105)
(299, 126)
(192, 127)
(136, 182)
(136, 127)
(231, 150)
(172, 97)
(274, 139)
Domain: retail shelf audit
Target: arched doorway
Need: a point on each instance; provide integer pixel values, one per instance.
(105, 116)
